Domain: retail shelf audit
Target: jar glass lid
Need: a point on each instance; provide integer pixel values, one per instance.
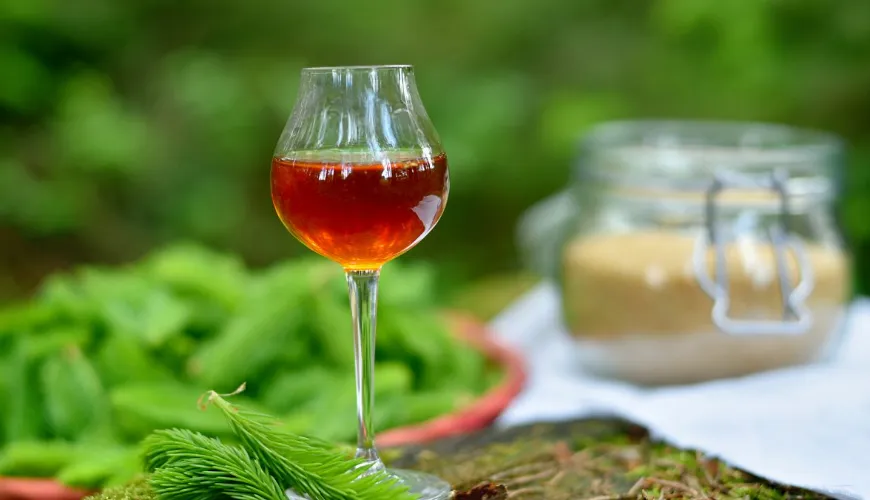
(686, 155)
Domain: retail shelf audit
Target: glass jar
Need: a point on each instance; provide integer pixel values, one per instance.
(690, 251)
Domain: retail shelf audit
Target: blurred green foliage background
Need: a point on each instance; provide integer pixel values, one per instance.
(128, 124)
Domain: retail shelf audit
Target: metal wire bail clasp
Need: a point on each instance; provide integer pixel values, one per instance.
(796, 317)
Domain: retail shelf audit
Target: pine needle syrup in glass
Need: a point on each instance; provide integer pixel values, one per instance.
(358, 211)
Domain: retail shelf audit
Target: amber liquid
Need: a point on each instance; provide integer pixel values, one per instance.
(360, 214)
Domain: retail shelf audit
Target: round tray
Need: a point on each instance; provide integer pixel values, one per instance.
(476, 416)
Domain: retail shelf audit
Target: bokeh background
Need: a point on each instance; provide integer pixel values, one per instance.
(130, 124)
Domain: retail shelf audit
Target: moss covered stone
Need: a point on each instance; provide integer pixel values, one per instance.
(580, 460)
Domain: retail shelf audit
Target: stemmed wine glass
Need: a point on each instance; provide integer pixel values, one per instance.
(359, 176)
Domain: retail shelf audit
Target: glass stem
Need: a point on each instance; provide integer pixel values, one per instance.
(363, 290)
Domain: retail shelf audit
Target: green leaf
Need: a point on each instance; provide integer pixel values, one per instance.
(417, 407)
(36, 458)
(265, 330)
(333, 331)
(25, 317)
(93, 468)
(75, 401)
(404, 285)
(64, 293)
(194, 270)
(157, 318)
(23, 411)
(392, 379)
(293, 390)
(122, 359)
(141, 408)
(418, 338)
(44, 343)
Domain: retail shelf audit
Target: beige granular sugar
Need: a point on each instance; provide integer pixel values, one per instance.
(639, 314)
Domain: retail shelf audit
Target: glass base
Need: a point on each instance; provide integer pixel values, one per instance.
(425, 486)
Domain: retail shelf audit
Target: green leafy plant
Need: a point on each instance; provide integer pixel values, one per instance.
(103, 356)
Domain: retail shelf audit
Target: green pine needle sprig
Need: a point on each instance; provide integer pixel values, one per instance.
(307, 465)
(186, 465)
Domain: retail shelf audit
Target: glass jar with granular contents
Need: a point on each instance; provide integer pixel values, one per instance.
(690, 251)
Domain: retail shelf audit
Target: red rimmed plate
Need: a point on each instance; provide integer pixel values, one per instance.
(477, 415)
(481, 412)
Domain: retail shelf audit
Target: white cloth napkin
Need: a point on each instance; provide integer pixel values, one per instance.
(806, 426)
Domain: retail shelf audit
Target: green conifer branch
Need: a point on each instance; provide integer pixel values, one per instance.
(307, 465)
(186, 465)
